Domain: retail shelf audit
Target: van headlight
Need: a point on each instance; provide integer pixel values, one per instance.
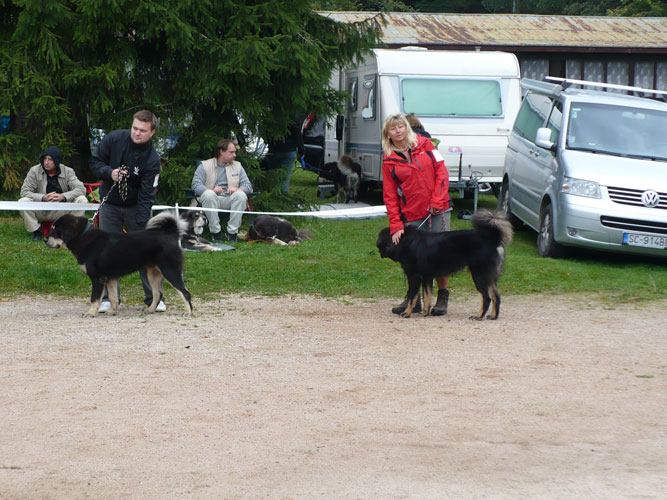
(580, 187)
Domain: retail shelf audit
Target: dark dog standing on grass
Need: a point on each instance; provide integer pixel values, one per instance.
(345, 174)
(106, 257)
(424, 255)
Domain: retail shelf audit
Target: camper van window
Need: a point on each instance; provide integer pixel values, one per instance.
(353, 94)
(450, 97)
(368, 98)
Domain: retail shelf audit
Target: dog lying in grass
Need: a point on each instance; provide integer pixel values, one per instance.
(276, 230)
(196, 221)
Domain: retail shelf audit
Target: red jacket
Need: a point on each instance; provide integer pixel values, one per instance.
(410, 185)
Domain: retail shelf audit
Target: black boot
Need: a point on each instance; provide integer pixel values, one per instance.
(37, 235)
(400, 308)
(440, 307)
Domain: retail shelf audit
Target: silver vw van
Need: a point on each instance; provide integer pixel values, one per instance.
(588, 168)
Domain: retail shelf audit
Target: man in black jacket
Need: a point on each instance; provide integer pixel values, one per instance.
(129, 168)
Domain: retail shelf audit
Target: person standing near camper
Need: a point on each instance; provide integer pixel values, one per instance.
(415, 189)
(417, 126)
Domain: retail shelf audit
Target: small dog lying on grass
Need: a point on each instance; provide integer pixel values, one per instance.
(276, 230)
(196, 221)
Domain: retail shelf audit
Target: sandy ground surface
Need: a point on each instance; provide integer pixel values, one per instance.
(296, 397)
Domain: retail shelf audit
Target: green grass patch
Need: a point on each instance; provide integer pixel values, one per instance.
(341, 260)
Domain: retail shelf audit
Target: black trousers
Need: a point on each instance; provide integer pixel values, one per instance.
(113, 219)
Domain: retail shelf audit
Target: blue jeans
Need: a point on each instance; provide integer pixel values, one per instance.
(283, 161)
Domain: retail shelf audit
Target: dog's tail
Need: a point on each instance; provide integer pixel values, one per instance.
(304, 234)
(485, 219)
(167, 223)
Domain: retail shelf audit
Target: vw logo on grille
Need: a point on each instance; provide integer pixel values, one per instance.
(650, 198)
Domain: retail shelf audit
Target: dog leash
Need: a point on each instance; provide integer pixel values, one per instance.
(427, 219)
(430, 223)
(122, 191)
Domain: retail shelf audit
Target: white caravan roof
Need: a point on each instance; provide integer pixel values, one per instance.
(415, 61)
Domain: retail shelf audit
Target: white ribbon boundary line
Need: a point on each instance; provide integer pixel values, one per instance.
(345, 213)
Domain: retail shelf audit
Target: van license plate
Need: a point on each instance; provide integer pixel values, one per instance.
(644, 240)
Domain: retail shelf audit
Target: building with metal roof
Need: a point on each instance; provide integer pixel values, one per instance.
(620, 50)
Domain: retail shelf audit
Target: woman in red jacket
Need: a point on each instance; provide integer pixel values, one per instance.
(415, 188)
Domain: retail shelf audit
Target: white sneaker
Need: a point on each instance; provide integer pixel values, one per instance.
(161, 307)
(104, 306)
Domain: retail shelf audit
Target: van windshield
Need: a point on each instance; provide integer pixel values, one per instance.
(618, 130)
(449, 97)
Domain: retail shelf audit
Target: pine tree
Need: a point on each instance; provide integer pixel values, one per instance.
(207, 69)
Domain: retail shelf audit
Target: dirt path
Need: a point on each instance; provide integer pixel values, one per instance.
(338, 399)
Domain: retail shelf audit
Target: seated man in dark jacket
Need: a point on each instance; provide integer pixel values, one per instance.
(53, 182)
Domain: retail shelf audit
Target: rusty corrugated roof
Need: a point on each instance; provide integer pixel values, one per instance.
(518, 30)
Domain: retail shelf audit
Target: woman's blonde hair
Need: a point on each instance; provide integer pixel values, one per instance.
(390, 121)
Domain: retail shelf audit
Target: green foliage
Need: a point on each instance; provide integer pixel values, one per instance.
(207, 69)
(648, 8)
(641, 8)
(13, 162)
(363, 5)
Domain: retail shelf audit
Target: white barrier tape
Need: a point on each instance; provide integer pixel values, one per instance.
(48, 206)
(343, 213)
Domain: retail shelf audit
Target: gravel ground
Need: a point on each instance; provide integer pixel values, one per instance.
(306, 397)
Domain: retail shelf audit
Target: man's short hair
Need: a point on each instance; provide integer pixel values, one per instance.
(222, 145)
(146, 116)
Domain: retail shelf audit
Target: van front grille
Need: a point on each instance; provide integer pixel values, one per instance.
(633, 197)
(634, 225)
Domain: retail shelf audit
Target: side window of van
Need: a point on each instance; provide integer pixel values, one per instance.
(354, 92)
(532, 115)
(368, 98)
(555, 121)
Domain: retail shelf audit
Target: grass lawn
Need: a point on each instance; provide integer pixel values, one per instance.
(341, 260)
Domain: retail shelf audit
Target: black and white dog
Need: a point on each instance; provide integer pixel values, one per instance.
(196, 221)
(345, 174)
(276, 230)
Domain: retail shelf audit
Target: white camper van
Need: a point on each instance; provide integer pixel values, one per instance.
(466, 100)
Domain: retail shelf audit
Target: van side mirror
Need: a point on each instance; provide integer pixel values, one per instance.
(543, 139)
(340, 125)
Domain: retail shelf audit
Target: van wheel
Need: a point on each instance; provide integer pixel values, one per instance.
(504, 205)
(546, 244)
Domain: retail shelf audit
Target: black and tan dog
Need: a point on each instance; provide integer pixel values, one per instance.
(192, 239)
(106, 257)
(276, 230)
(424, 255)
(346, 175)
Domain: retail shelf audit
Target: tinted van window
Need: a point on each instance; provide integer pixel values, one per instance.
(618, 130)
(555, 121)
(532, 115)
